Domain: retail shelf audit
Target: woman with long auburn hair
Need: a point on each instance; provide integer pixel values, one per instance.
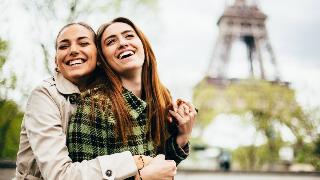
(133, 111)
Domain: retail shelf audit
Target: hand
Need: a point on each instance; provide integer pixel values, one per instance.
(185, 115)
(140, 163)
(159, 169)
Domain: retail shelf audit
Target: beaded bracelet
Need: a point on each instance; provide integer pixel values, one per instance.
(141, 158)
(139, 174)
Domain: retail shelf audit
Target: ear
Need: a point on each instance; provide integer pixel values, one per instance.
(55, 61)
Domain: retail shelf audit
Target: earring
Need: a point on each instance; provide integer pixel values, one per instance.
(98, 63)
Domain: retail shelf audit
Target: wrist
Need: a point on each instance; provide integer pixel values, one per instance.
(139, 175)
(139, 161)
(182, 140)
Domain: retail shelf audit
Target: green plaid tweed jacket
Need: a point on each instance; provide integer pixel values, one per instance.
(87, 138)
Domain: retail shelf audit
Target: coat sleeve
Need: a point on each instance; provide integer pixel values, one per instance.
(174, 152)
(48, 143)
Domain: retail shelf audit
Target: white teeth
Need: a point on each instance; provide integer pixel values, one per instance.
(75, 62)
(126, 54)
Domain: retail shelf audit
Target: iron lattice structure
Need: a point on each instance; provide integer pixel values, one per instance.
(247, 23)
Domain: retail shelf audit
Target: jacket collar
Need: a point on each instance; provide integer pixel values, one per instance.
(65, 86)
(136, 105)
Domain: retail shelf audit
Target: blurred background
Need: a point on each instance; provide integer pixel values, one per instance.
(250, 67)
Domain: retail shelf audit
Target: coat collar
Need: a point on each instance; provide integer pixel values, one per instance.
(65, 86)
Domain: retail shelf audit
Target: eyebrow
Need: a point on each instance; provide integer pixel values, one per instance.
(79, 38)
(124, 32)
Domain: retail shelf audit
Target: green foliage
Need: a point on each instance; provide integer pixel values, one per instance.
(3, 48)
(10, 122)
(267, 104)
(254, 157)
(10, 115)
(308, 153)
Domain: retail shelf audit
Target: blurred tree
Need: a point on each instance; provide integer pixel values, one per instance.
(10, 115)
(10, 122)
(269, 105)
(7, 79)
(309, 152)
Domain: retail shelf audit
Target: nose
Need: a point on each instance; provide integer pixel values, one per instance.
(123, 42)
(74, 50)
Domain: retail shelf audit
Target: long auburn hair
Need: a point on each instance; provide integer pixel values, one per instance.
(153, 91)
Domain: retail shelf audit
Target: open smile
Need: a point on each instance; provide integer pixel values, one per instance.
(125, 54)
(75, 62)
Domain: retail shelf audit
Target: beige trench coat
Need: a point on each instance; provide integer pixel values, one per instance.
(43, 153)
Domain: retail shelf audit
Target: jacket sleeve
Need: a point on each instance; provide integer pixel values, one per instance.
(174, 152)
(48, 142)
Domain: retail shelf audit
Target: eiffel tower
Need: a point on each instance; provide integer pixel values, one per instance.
(244, 22)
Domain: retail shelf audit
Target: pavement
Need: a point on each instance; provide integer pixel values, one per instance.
(8, 173)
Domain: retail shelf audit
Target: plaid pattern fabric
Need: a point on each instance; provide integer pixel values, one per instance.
(87, 138)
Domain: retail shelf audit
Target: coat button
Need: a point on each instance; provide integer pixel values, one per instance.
(73, 98)
(108, 173)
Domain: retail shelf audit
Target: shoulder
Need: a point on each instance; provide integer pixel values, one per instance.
(45, 86)
(44, 90)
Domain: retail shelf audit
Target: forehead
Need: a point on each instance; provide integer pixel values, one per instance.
(116, 28)
(74, 31)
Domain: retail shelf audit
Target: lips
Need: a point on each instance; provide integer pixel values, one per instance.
(75, 62)
(125, 54)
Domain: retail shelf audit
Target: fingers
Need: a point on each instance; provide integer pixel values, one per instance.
(170, 119)
(174, 105)
(177, 116)
(160, 156)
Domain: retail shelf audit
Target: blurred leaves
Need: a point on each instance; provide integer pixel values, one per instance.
(10, 122)
(10, 115)
(269, 106)
(7, 81)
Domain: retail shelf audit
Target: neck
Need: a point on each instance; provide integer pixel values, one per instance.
(81, 86)
(133, 84)
(83, 83)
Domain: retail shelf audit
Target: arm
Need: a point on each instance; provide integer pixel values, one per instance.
(174, 152)
(48, 143)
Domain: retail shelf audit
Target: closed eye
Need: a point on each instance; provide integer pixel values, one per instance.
(110, 42)
(83, 44)
(129, 36)
(62, 47)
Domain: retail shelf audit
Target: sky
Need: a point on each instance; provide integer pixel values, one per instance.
(183, 34)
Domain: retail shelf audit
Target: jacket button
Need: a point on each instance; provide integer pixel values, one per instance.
(73, 98)
(108, 173)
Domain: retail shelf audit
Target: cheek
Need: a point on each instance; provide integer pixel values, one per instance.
(107, 55)
(58, 60)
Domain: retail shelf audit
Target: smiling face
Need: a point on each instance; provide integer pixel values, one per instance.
(76, 55)
(123, 49)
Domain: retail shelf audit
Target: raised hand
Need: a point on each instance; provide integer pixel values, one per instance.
(184, 115)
